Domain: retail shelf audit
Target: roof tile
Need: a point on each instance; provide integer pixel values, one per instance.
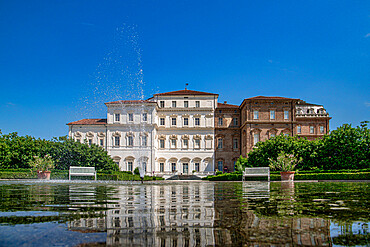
(184, 92)
(95, 121)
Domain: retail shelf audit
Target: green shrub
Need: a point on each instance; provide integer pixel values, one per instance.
(345, 148)
(136, 171)
(297, 176)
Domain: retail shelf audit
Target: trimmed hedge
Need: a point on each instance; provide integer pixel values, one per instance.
(120, 176)
(297, 176)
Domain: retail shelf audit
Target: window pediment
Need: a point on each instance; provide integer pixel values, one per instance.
(101, 134)
(256, 130)
(78, 134)
(173, 137)
(197, 137)
(162, 137)
(116, 134)
(130, 133)
(185, 137)
(273, 130)
(90, 134)
(209, 137)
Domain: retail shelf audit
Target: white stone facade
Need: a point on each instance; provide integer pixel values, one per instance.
(170, 133)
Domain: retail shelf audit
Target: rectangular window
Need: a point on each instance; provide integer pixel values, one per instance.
(185, 143)
(173, 167)
(286, 115)
(219, 143)
(101, 142)
(197, 121)
(117, 117)
(196, 167)
(130, 117)
(299, 129)
(220, 121)
(161, 104)
(90, 142)
(162, 121)
(116, 141)
(186, 121)
(255, 114)
(235, 121)
(144, 141)
(174, 121)
(312, 130)
(256, 138)
(272, 114)
(130, 141)
(145, 116)
(186, 104)
(235, 143)
(197, 143)
(220, 165)
(161, 167)
(322, 129)
(129, 166)
(173, 104)
(144, 166)
(173, 143)
(209, 144)
(161, 143)
(185, 168)
(197, 104)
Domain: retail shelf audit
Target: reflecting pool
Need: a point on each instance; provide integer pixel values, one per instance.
(63, 213)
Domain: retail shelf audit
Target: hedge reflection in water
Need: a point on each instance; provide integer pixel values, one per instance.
(194, 213)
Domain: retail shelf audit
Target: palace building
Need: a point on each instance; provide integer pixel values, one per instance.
(189, 132)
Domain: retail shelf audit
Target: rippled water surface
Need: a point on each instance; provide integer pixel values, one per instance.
(34, 213)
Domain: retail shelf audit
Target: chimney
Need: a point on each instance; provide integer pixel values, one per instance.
(225, 102)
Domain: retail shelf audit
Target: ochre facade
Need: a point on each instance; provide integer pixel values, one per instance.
(261, 118)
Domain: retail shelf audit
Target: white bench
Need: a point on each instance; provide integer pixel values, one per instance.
(81, 171)
(257, 172)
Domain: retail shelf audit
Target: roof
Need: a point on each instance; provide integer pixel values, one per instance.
(223, 105)
(93, 121)
(302, 102)
(184, 92)
(129, 102)
(265, 98)
(270, 98)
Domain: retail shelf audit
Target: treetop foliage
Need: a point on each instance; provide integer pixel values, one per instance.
(19, 151)
(344, 148)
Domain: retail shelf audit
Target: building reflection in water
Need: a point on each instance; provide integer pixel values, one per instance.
(157, 215)
(200, 214)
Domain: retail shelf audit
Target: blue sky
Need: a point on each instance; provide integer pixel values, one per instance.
(61, 60)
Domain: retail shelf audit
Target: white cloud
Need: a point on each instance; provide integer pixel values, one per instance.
(367, 35)
(367, 104)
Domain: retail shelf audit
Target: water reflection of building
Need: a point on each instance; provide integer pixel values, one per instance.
(175, 215)
(200, 214)
(236, 225)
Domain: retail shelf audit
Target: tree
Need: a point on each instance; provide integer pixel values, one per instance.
(346, 148)
(240, 164)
